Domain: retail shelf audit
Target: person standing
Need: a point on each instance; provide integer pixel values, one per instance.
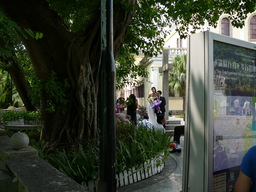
(237, 107)
(132, 105)
(153, 94)
(246, 108)
(162, 105)
(161, 109)
(151, 112)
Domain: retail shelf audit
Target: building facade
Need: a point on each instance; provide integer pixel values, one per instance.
(177, 46)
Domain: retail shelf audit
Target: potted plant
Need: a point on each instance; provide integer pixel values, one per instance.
(20, 118)
(13, 118)
(32, 118)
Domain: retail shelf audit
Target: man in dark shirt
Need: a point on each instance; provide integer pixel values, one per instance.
(162, 105)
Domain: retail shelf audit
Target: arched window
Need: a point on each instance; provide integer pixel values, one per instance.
(253, 27)
(225, 27)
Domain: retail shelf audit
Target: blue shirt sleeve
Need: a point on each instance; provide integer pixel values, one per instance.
(248, 163)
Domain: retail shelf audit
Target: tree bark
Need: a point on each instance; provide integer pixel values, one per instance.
(74, 58)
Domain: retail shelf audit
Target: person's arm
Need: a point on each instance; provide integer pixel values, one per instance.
(243, 183)
(123, 106)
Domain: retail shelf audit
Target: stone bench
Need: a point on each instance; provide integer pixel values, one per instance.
(33, 174)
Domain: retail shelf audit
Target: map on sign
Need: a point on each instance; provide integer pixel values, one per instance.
(233, 136)
(234, 129)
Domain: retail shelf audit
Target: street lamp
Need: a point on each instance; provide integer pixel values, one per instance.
(106, 105)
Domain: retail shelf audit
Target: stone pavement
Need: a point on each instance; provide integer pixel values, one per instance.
(169, 180)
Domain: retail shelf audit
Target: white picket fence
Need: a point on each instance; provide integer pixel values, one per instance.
(127, 177)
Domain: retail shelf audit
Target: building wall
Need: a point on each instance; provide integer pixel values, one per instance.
(176, 103)
(239, 33)
(177, 46)
(174, 41)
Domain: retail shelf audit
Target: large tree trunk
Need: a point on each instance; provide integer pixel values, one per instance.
(17, 75)
(69, 113)
(75, 121)
(22, 85)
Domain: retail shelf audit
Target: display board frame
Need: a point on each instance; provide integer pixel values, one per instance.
(200, 98)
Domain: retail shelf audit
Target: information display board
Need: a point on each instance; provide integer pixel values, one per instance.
(234, 110)
(220, 111)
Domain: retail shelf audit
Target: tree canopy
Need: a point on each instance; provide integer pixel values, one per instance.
(62, 42)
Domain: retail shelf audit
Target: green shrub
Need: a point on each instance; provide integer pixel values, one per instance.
(139, 144)
(17, 115)
(134, 146)
(12, 116)
(81, 165)
(43, 151)
(32, 116)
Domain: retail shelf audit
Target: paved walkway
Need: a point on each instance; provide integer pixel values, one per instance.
(169, 180)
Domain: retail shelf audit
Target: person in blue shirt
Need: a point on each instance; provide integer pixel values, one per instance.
(246, 181)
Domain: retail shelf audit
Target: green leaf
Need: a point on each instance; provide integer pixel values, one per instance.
(39, 35)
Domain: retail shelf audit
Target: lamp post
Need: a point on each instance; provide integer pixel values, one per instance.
(106, 105)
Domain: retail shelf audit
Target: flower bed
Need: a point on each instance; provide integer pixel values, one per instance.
(137, 156)
(133, 175)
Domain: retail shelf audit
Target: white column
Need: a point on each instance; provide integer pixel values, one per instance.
(154, 76)
(165, 90)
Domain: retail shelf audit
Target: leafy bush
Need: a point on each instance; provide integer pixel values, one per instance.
(42, 150)
(134, 146)
(12, 116)
(17, 115)
(32, 116)
(81, 165)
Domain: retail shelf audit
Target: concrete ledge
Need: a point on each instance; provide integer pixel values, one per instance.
(30, 173)
(6, 152)
(35, 174)
(21, 127)
(176, 112)
(7, 184)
